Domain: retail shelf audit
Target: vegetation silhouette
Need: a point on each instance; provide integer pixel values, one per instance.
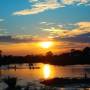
(72, 57)
(11, 82)
(12, 85)
(63, 82)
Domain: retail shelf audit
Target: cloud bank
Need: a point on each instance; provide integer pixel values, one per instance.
(78, 34)
(81, 33)
(16, 38)
(82, 28)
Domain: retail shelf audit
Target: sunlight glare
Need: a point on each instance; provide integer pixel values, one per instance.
(46, 71)
(46, 44)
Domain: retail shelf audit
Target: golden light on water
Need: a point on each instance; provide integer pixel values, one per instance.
(47, 44)
(46, 71)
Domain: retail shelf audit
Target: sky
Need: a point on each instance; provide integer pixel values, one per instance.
(24, 23)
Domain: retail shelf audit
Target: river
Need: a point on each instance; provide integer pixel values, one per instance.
(38, 71)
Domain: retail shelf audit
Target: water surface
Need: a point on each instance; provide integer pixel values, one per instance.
(39, 71)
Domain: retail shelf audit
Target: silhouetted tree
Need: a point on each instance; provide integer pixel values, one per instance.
(49, 54)
(86, 51)
(0, 53)
(75, 52)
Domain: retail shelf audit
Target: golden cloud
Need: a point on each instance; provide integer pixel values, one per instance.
(83, 28)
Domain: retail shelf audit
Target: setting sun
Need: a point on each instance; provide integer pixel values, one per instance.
(46, 44)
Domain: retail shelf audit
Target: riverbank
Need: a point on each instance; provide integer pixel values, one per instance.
(68, 82)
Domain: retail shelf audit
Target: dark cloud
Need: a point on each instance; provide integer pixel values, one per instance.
(84, 38)
(10, 39)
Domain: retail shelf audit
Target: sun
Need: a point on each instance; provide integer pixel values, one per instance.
(47, 44)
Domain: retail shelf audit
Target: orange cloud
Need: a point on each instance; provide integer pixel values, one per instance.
(82, 28)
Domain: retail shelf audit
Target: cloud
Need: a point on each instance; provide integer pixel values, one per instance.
(84, 38)
(43, 22)
(82, 28)
(81, 33)
(69, 2)
(3, 31)
(17, 38)
(33, 0)
(46, 23)
(38, 6)
(1, 20)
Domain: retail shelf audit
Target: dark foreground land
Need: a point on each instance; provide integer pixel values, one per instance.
(49, 84)
(70, 82)
(12, 84)
(72, 57)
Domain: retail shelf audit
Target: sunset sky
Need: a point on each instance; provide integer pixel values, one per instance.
(24, 24)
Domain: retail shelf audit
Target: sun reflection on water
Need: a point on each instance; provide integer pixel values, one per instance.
(46, 71)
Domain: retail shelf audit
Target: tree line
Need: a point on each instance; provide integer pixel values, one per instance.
(72, 57)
